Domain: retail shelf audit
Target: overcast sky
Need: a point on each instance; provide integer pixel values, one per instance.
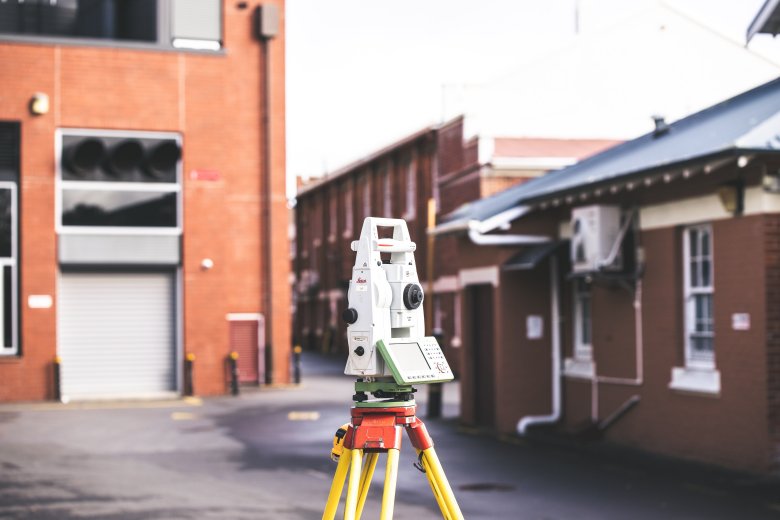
(363, 73)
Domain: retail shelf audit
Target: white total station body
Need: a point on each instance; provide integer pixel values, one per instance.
(384, 298)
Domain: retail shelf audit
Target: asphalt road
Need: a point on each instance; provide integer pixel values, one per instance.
(264, 455)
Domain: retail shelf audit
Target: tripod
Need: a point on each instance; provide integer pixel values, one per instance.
(376, 428)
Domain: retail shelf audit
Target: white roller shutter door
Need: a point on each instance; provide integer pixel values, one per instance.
(116, 335)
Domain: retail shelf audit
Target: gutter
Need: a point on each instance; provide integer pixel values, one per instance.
(478, 230)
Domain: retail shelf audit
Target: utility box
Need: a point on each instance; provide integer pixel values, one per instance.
(594, 232)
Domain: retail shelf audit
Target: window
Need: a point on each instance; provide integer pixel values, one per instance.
(121, 183)
(194, 24)
(583, 349)
(411, 188)
(388, 194)
(9, 229)
(457, 325)
(438, 314)
(366, 196)
(699, 326)
(348, 209)
(333, 224)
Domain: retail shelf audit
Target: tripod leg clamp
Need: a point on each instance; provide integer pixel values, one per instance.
(418, 435)
(338, 442)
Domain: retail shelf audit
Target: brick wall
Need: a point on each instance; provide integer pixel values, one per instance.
(772, 259)
(214, 102)
(386, 175)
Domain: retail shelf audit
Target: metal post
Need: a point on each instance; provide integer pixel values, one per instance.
(233, 366)
(189, 383)
(435, 390)
(297, 364)
(56, 369)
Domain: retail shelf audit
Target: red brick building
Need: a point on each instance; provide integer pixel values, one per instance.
(142, 181)
(634, 295)
(398, 181)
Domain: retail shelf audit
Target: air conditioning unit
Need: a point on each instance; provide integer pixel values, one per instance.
(594, 231)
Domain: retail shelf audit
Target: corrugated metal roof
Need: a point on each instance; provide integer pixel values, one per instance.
(747, 122)
(767, 20)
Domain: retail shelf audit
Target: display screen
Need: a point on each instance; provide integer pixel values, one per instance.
(408, 357)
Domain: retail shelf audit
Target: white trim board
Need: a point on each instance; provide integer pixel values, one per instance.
(704, 209)
(445, 284)
(479, 275)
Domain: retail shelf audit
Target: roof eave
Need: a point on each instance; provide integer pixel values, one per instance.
(759, 23)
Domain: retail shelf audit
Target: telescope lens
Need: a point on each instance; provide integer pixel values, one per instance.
(413, 296)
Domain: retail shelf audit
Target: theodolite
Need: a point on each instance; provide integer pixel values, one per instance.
(389, 352)
(386, 327)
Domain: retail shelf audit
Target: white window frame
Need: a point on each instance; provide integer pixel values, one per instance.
(12, 350)
(580, 365)
(166, 33)
(62, 185)
(694, 360)
(457, 323)
(583, 350)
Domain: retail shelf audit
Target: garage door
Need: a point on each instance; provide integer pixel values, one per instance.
(116, 335)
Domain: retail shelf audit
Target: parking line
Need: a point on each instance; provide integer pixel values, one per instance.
(303, 416)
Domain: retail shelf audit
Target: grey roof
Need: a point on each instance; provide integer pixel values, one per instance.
(747, 122)
(767, 20)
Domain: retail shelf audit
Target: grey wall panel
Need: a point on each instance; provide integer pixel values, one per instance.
(116, 335)
(119, 249)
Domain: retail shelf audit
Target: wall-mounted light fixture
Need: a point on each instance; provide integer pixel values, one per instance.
(732, 197)
(206, 264)
(39, 104)
(770, 181)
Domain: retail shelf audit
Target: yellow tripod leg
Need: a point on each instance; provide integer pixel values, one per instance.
(391, 477)
(437, 473)
(365, 481)
(435, 488)
(353, 484)
(337, 486)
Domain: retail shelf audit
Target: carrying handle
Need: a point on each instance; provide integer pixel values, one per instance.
(400, 243)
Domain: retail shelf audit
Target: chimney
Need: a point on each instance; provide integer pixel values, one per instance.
(661, 126)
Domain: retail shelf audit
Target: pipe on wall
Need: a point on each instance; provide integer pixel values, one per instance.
(555, 336)
(266, 26)
(638, 380)
(639, 353)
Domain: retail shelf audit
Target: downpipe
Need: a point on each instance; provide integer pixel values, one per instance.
(639, 353)
(554, 416)
(555, 336)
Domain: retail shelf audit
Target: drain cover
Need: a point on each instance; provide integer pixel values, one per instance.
(487, 486)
